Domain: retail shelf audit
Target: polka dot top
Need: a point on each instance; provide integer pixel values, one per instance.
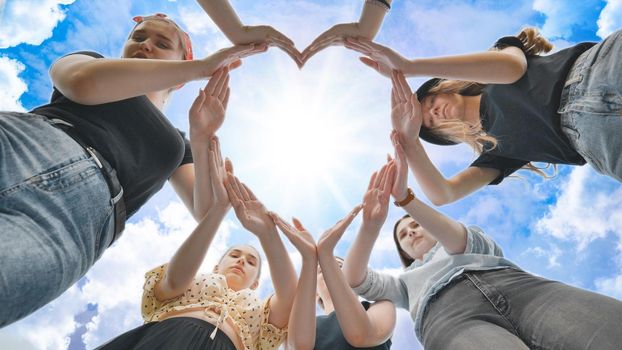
(210, 291)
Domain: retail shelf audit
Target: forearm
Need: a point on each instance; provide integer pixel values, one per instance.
(101, 81)
(188, 258)
(357, 259)
(352, 317)
(371, 19)
(301, 327)
(450, 233)
(283, 278)
(225, 17)
(431, 181)
(490, 67)
(203, 196)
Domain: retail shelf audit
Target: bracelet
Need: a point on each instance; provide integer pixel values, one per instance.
(409, 197)
(381, 3)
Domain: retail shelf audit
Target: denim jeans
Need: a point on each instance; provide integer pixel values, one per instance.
(55, 213)
(512, 309)
(591, 106)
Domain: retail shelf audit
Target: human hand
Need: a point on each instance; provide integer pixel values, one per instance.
(336, 35)
(272, 37)
(218, 171)
(399, 191)
(406, 115)
(230, 57)
(326, 244)
(250, 211)
(376, 199)
(381, 58)
(207, 112)
(298, 235)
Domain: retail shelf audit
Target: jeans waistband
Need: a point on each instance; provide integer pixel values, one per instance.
(109, 173)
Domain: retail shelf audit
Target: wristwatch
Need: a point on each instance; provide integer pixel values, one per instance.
(408, 199)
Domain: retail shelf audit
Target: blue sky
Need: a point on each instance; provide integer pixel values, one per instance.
(307, 141)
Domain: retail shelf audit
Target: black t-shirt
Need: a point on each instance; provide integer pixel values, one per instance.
(328, 335)
(523, 115)
(132, 135)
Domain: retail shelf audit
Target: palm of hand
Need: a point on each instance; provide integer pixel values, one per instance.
(304, 242)
(375, 206)
(329, 239)
(405, 121)
(255, 218)
(209, 117)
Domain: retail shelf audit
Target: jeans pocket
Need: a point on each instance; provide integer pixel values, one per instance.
(66, 177)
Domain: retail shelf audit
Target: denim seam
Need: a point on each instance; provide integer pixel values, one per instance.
(476, 282)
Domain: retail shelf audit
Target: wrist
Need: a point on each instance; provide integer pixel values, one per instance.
(371, 228)
(412, 67)
(309, 258)
(405, 199)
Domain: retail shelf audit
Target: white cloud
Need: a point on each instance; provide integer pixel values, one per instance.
(610, 18)
(448, 27)
(610, 286)
(552, 254)
(29, 21)
(584, 211)
(115, 283)
(11, 86)
(563, 16)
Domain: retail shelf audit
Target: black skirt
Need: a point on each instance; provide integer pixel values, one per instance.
(174, 334)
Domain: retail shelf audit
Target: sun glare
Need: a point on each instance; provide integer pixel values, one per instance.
(308, 130)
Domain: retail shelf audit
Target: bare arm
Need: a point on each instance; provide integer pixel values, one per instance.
(490, 67)
(192, 182)
(225, 17)
(436, 187)
(375, 210)
(450, 233)
(360, 327)
(188, 258)
(301, 327)
(89, 81)
(254, 217)
(371, 19)
(367, 27)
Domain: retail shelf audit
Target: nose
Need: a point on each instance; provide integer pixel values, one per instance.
(146, 45)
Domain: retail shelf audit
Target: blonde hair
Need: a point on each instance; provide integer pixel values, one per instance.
(460, 132)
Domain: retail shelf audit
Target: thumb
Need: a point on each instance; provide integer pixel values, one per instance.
(198, 101)
(369, 62)
(235, 64)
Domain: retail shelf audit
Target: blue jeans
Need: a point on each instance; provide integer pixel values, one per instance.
(591, 106)
(512, 309)
(56, 215)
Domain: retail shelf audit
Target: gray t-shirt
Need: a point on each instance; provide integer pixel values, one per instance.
(413, 288)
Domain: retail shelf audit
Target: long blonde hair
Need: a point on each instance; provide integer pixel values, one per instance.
(459, 131)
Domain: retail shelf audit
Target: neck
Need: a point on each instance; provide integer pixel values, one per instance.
(471, 110)
(158, 98)
(328, 306)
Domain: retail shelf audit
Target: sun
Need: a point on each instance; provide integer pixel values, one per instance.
(302, 134)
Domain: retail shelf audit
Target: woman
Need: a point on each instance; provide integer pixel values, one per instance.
(511, 105)
(219, 310)
(463, 294)
(76, 168)
(347, 323)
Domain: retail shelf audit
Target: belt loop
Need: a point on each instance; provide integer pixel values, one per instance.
(110, 175)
